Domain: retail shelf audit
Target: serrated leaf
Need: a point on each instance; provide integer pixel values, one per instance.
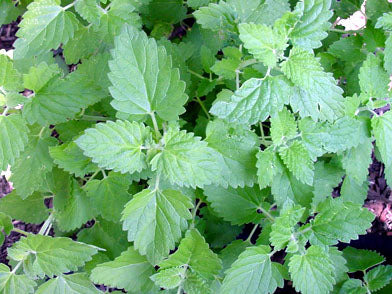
(170, 278)
(352, 286)
(388, 55)
(89, 10)
(14, 284)
(238, 206)
(194, 252)
(44, 255)
(143, 79)
(117, 145)
(283, 126)
(14, 206)
(129, 271)
(13, 138)
(353, 191)
(10, 78)
(264, 43)
(378, 277)
(230, 253)
(312, 272)
(109, 195)
(68, 284)
(253, 272)
(255, 100)
(339, 263)
(268, 167)
(155, 220)
(385, 21)
(367, 259)
(317, 95)
(70, 158)
(238, 147)
(373, 79)
(6, 226)
(298, 161)
(312, 26)
(8, 12)
(216, 17)
(38, 76)
(382, 130)
(45, 26)
(186, 160)
(338, 220)
(78, 209)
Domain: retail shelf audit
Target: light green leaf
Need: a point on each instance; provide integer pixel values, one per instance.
(283, 126)
(264, 43)
(186, 160)
(385, 21)
(313, 24)
(339, 263)
(155, 220)
(89, 10)
(373, 79)
(317, 95)
(10, 78)
(14, 284)
(169, 278)
(238, 147)
(45, 26)
(38, 76)
(230, 253)
(194, 253)
(367, 259)
(378, 277)
(109, 195)
(70, 158)
(388, 55)
(78, 209)
(312, 272)
(217, 17)
(129, 271)
(44, 255)
(255, 100)
(268, 166)
(13, 139)
(352, 286)
(6, 226)
(68, 284)
(143, 78)
(8, 12)
(196, 4)
(238, 206)
(253, 272)
(14, 206)
(298, 161)
(117, 145)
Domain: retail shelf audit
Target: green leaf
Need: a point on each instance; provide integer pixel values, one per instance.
(373, 79)
(382, 130)
(338, 220)
(35, 158)
(217, 17)
(255, 100)
(339, 263)
(6, 226)
(353, 191)
(155, 220)
(68, 284)
(268, 166)
(70, 158)
(193, 253)
(378, 277)
(186, 160)
(117, 145)
(312, 26)
(38, 76)
(129, 271)
(317, 95)
(238, 206)
(352, 286)
(312, 272)
(45, 26)
(10, 78)
(14, 206)
(13, 139)
(170, 278)
(8, 12)
(158, 11)
(44, 255)
(253, 272)
(14, 284)
(367, 259)
(388, 55)
(230, 253)
(238, 147)
(298, 161)
(385, 21)
(143, 79)
(77, 210)
(109, 195)
(89, 10)
(283, 126)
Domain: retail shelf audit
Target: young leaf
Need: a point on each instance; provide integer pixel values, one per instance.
(10, 78)
(373, 79)
(130, 271)
(69, 284)
(143, 79)
(378, 277)
(216, 17)
(89, 10)
(283, 126)
(44, 255)
(253, 272)
(10, 283)
(117, 145)
(38, 76)
(155, 220)
(312, 272)
(368, 259)
(317, 96)
(186, 160)
(6, 226)
(268, 166)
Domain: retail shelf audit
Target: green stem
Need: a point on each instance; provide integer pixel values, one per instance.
(41, 132)
(69, 6)
(344, 31)
(194, 213)
(103, 173)
(94, 118)
(252, 233)
(197, 75)
(17, 266)
(267, 214)
(203, 107)
(155, 124)
(46, 226)
(20, 231)
(246, 63)
(93, 176)
(5, 111)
